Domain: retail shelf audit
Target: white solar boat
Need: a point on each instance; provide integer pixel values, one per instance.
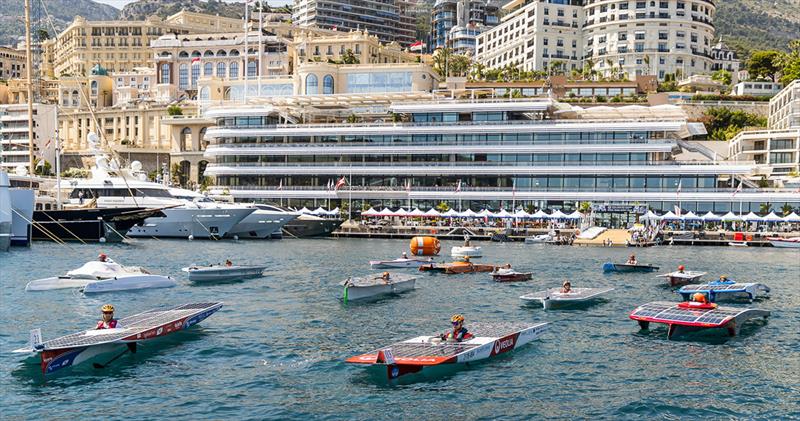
(554, 298)
(89, 345)
(466, 251)
(96, 276)
(399, 263)
(375, 285)
(223, 273)
(684, 317)
(722, 291)
(427, 353)
(538, 239)
(682, 278)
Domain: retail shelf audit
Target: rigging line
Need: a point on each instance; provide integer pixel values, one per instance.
(65, 228)
(42, 228)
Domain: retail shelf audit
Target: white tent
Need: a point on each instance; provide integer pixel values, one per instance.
(771, 217)
(469, 213)
(575, 215)
(385, 212)
(730, 217)
(751, 217)
(452, 213)
(711, 217)
(416, 212)
(305, 210)
(401, 212)
(521, 214)
(650, 216)
(319, 211)
(792, 217)
(557, 214)
(484, 213)
(669, 216)
(540, 214)
(368, 212)
(502, 214)
(333, 212)
(433, 213)
(691, 216)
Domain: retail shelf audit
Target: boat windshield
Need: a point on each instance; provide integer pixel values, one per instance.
(91, 193)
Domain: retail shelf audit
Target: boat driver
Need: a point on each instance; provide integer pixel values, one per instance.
(699, 297)
(632, 260)
(103, 258)
(723, 278)
(385, 277)
(108, 322)
(404, 256)
(566, 287)
(681, 269)
(228, 263)
(459, 332)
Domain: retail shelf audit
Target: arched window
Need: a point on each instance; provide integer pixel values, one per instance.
(75, 98)
(312, 84)
(195, 54)
(221, 53)
(94, 88)
(327, 85)
(204, 93)
(251, 69)
(183, 76)
(165, 73)
(183, 54)
(221, 69)
(208, 53)
(234, 53)
(195, 74)
(233, 70)
(208, 69)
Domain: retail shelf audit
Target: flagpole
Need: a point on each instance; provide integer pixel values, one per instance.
(246, 52)
(350, 193)
(260, 51)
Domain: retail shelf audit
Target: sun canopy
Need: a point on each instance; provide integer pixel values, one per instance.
(771, 217)
(385, 212)
(575, 215)
(469, 213)
(650, 216)
(484, 213)
(669, 216)
(305, 210)
(751, 217)
(450, 213)
(730, 217)
(369, 212)
(792, 217)
(401, 212)
(521, 214)
(333, 212)
(540, 214)
(319, 211)
(502, 214)
(433, 213)
(711, 217)
(416, 212)
(691, 216)
(557, 214)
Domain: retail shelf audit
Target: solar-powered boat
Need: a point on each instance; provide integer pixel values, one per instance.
(626, 268)
(510, 275)
(687, 317)
(425, 353)
(97, 276)
(460, 267)
(721, 291)
(468, 251)
(399, 263)
(83, 346)
(554, 298)
(375, 285)
(682, 278)
(223, 273)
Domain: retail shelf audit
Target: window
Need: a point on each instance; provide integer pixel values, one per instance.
(233, 70)
(208, 69)
(183, 76)
(221, 70)
(251, 69)
(312, 84)
(327, 85)
(94, 88)
(781, 157)
(195, 74)
(165, 73)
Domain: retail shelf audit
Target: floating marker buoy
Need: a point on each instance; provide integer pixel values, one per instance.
(102, 239)
(191, 237)
(235, 238)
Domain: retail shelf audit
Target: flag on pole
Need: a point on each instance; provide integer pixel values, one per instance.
(738, 189)
(280, 185)
(408, 186)
(677, 210)
(196, 60)
(47, 144)
(680, 184)
(458, 187)
(340, 183)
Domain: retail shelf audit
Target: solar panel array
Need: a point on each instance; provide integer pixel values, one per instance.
(576, 294)
(449, 349)
(377, 280)
(132, 325)
(708, 287)
(670, 312)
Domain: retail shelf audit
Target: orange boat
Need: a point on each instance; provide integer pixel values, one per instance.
(425, 246)
(459, 267)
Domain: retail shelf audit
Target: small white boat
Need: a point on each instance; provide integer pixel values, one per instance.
(792, 243)
(116, 276)
(223, 273)
(682, 278)
(553, 298)
(466, 251)
(538, 239)
(399, 263)
(374, 285)
(737, 243)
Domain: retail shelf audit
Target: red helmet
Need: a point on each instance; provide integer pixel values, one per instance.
(681, 267)
(102, 256)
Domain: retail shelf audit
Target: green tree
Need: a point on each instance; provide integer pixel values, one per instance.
(41, 167)
(786, 209)
(174, 110)
(723, 123)
(442, 207)
(790, 63)
(765, 208)
(459, 65)
(723, 76)
(349, 57)
(764, 64)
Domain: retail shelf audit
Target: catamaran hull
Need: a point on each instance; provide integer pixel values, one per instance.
(186, 222)
(352, 293)
(57, 282)
(223, 273)
(129, 283)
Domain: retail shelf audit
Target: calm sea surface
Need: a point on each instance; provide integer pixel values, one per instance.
(276, 350)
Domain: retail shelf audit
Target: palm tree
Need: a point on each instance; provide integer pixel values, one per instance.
(765, 208)
(786, 209)
(647, 63)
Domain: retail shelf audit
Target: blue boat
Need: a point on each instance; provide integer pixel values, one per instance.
(625, 267)
(721, 291)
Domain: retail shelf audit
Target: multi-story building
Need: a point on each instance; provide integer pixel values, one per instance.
(12, 63)
(756, 88)
(725, 58)
(475, 154)
(535, 35)
(628, 38)
(199, 23)
(14, 140)
(389, 20)
(778, 147)
(455, 24)
(364, 48)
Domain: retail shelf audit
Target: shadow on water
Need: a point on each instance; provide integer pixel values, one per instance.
(29, 371)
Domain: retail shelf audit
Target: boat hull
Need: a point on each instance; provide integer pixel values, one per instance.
(301, 228)
(260, 224)
(512, 277)
(88, 225)
(221, 273)
(626, 268)
(785, 244)
(398, 263)
(129, 283)
(355, 292)
(466, 252)
(186, 222)
(57, 282)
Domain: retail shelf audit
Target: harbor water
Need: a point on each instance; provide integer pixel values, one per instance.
(276, 350)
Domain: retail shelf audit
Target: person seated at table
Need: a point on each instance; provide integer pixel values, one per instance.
(632, 260)
(566, 287)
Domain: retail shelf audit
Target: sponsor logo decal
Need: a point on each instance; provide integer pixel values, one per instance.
(395, 372)
(504, 344)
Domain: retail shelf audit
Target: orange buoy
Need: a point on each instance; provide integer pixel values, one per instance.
(425, 246)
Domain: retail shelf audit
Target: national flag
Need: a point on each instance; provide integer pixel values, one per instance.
(196, 60)
(280, 185)
(680, 184)
(738, 189)
(408, 186)
(458, 187)
(340, 183)
(677, 210)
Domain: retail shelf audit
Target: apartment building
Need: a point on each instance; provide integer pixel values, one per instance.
(14, 140)
(389, 20)
(12, 63)
(455, 24)
(311, 46)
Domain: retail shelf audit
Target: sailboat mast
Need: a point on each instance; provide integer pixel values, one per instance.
(29, 71)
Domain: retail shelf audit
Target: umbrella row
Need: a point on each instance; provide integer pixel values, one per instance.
(469, 213)
(728, 217)
(320, 211)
